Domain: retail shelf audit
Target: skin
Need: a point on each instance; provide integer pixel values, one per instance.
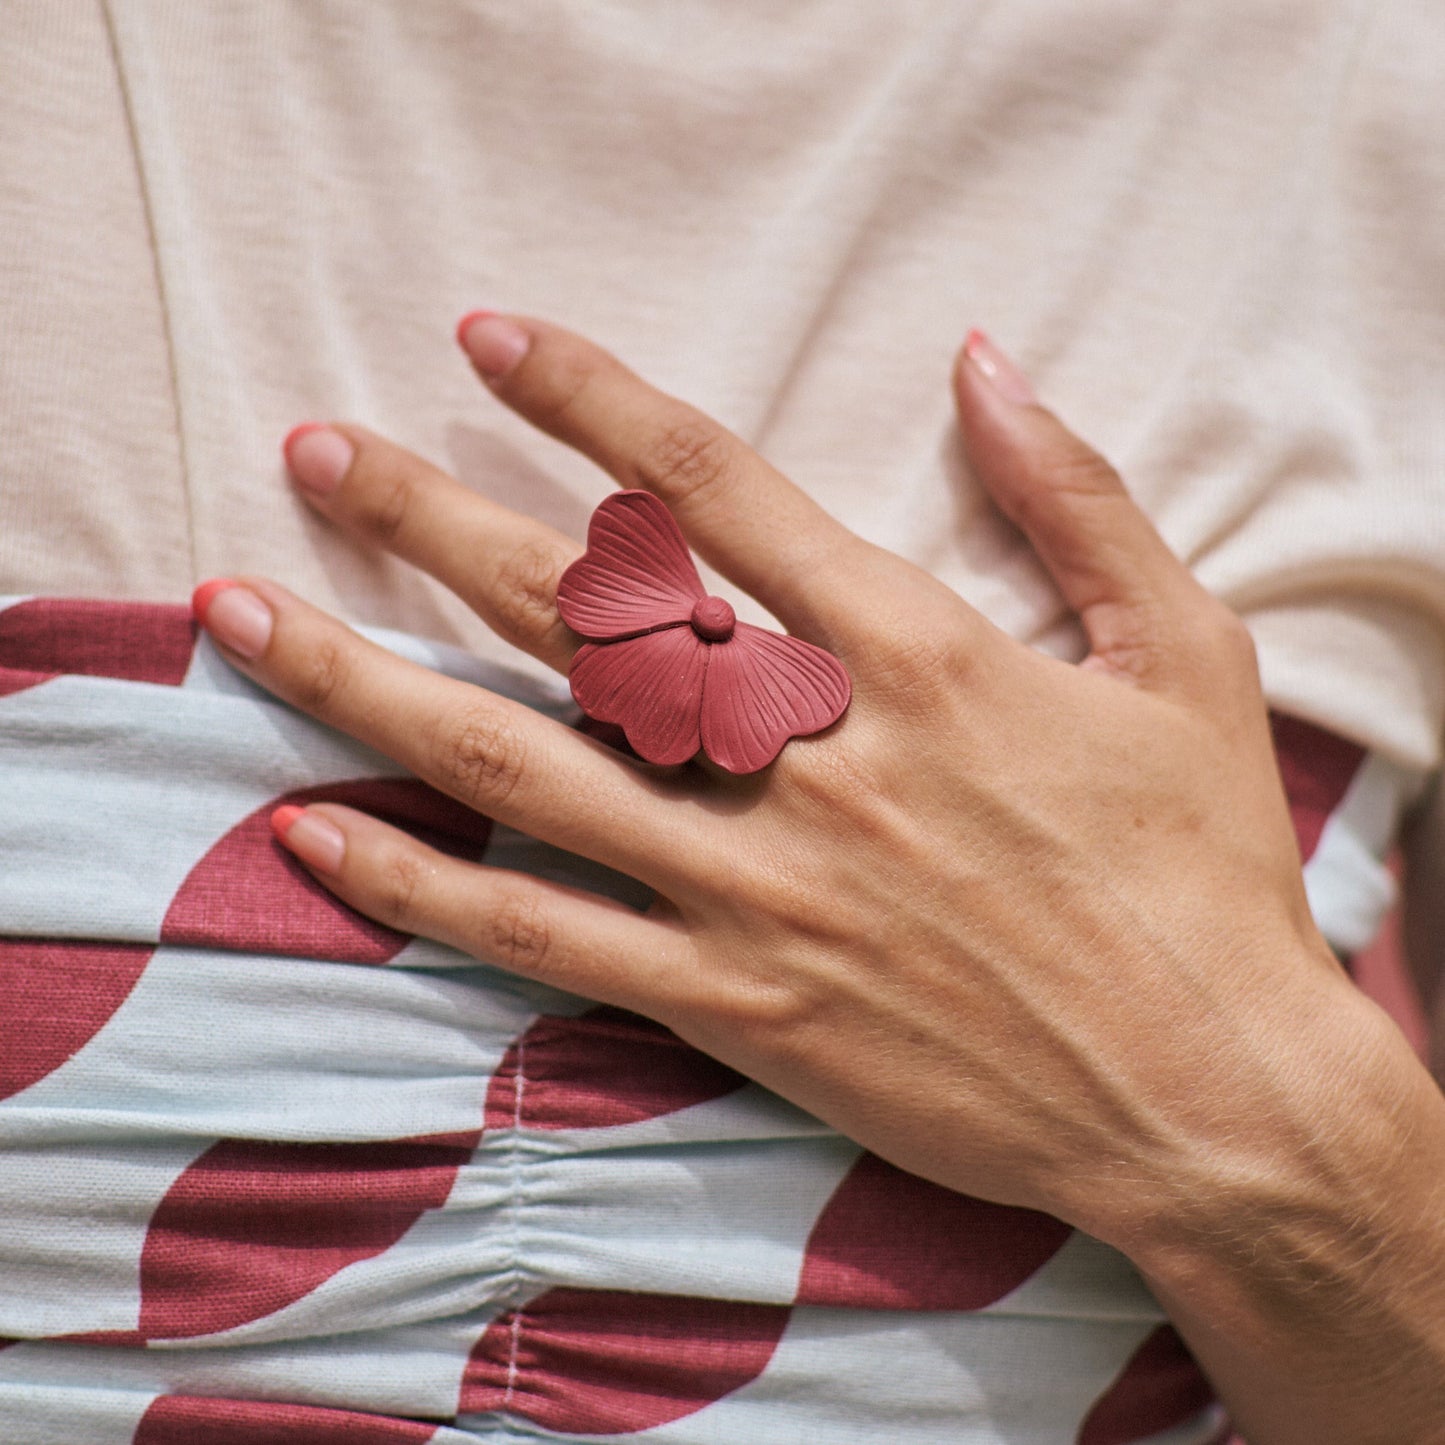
(1033, 930)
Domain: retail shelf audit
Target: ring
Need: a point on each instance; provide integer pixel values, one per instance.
(672, 666)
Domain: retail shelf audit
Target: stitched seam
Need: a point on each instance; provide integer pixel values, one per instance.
(516, 1269)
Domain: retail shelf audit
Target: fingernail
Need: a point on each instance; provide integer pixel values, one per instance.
(1002, 374)
(318, 456)
(205, 594)
(233, 615)
(312, 838)
(494, 344)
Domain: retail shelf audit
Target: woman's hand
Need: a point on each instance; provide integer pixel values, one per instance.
(1033, 930)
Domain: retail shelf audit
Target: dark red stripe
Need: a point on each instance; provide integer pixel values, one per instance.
(253, 1226)
(55, 996)
(193, 1419)
(602, 1362)
(1159, 1388)
(249, 893)
(606, 1068)
(136, 641)
(887, 1240)
(18, 679)
(1317, 768)
(110, 1339)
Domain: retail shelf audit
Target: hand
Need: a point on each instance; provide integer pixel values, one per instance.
(985, 925)
(1032, 930)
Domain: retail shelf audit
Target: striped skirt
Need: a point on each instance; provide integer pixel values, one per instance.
(272, 1174)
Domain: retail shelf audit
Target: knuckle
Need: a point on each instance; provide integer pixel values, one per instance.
(385, 514)
(520, 934)
(399, 883)
(770, 1011)
(1071, 476)
(480, 757)
(688, 456)
(525, 600)
(571, 371)
(833, 782)
(1232, 641)
(1075, 469)
(321, 676)
(924, 664)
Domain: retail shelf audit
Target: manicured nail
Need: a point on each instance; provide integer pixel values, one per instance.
(205, 594)
(312, 838)
(494, 344)
(233, 615)
(1002, 374)
(318, 456)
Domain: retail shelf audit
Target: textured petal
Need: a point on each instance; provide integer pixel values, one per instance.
(650, 686)
(763, 688)
(635, 575)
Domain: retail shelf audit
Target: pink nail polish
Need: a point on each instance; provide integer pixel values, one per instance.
(466, 321)
(318, 456)
(283, 817)
(494, 344)
(205, 594)
(234, 616)
(1005, 378)
(312, 838)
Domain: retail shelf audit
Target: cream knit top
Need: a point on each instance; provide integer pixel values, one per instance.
(1211, 234)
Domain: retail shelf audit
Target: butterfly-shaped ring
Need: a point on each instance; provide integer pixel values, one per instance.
(672, 666)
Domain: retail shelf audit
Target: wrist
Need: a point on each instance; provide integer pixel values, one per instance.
(1306, 1244)
(1323, 1126)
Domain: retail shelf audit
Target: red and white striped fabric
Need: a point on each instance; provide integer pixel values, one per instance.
(271, 1174)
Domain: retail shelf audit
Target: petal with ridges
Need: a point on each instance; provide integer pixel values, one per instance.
(763, 688)
(636, 574)
(650, 686)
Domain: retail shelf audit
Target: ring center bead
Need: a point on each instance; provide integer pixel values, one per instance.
(713, 619)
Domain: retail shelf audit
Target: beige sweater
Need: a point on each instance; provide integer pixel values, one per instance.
(1212, 234)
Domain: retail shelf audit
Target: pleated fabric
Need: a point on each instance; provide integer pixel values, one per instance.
(272, 1174)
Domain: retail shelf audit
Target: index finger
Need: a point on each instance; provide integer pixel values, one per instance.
(743, 515)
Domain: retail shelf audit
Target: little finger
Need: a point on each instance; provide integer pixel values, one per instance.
(540, 929)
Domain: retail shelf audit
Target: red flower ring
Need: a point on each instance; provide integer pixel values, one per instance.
(673, 667)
